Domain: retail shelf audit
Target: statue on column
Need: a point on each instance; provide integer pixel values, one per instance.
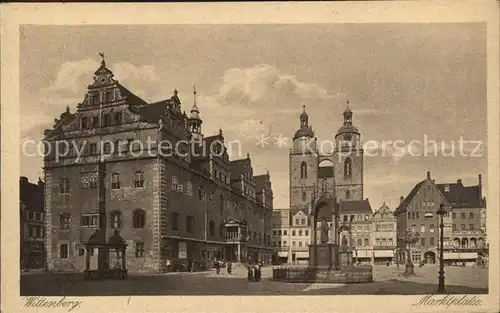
(324, 231)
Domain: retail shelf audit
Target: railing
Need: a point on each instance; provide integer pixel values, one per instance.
(234, 236)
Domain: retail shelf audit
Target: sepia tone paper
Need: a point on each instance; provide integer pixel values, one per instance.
(59, 16)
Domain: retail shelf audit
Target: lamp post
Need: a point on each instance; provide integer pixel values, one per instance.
(441, 212)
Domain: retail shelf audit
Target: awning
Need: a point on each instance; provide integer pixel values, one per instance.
(362, 254)
(459, 255)
(384, 253)
(282, 254)
(302, 255)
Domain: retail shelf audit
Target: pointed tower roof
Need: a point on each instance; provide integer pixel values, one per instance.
(347, 127)
(305, 130)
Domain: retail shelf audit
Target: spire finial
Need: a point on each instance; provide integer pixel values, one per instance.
(67, 109)
(175, 91)
(103, 62)
(248, 155)
(304, 108)
(194, 94)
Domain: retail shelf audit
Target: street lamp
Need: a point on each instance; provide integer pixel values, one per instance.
(441, 212)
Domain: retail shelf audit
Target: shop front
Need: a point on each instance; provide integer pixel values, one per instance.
(381, 257)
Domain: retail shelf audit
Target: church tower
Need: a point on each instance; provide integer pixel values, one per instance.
(303, 165)
(194, 121)
(348, 160)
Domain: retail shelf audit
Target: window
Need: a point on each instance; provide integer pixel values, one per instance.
(413, 228)
(303, 170)
(92, 149)
(431, 241)
(81, 252)
(200, 193)
(347, 167)
(304, 196)
(115, 181)
(293, 232)
(454, 227)
(221, 230)
(367, 243)
(139, 180)
(107, 120)
(274, 232)
(139, 249)
(453, 215)
(471, 227)
(174, 183)
(431, 228)
(366, 217)
(471, 215)
(462, 227)
(189, 223)
(377, 241)
(300, 244)
(422, 241)
(118, 118)
(422, 228)
(139, 218)
(189, 189)
(180, 188)
(300, 232)
(297, 221)
(63, 251)
(303, 221)
(417, 215)
(94, 99)
(294, 243)
(409, 215)
(279, 232)
(175, 221)
(108, 96)
(221, 203)
(348, 194)
(285, 244)
(107, 147)
(390, 242)
(462, 215)
(360, 242)
(89, 220)
(285, 232)
(83, 123)
(306, 232)
(116, 220)
(65, 221)
(64, 185)
(95, 121)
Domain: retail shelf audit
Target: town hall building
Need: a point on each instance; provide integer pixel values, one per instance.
(120, 174)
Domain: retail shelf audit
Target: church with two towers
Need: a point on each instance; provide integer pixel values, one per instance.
(338, 174)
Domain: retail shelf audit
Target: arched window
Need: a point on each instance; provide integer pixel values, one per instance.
(303, 170)
(211, 228)
(65, 221)
(348, 194)
(64, 185)
(139, 218)
(347, 167)
(115, 181)
(139, 179)
(116, 219)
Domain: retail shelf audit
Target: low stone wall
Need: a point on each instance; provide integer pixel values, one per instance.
(362, 274)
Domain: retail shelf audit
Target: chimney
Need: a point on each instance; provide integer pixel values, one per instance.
(459, 181)
(401, 199)
(428, 175)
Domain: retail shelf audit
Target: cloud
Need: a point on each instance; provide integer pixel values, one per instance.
(266, 86)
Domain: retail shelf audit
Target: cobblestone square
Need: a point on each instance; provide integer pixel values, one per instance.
(459, 280)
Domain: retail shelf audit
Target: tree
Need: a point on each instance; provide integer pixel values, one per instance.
(409, 238)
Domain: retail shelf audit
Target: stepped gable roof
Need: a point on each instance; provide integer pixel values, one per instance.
(402, 207)
(461, 196)
(355, 206)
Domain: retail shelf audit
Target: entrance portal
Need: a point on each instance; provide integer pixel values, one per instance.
(430, 257)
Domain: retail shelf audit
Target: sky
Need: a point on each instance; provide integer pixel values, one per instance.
(411, 83)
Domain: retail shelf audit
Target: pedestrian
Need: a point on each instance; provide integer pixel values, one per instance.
(217, 266)
(250, 273)
(229, 267)
(257, 272)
